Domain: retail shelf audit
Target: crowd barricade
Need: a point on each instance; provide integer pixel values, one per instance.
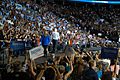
(4, 55)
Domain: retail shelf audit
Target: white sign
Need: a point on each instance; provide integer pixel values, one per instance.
(18, 6)
(1, 26)
(36, 52)
(106, 61)
(10, 22)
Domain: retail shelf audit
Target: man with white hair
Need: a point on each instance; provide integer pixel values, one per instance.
(55, 38)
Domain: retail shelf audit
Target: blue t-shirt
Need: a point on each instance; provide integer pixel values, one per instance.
(99, 73)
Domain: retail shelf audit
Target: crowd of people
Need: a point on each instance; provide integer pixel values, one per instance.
(60, 26)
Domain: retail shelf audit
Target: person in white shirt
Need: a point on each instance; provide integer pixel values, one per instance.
(55, 38)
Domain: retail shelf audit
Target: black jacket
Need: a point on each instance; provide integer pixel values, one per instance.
(90, 74)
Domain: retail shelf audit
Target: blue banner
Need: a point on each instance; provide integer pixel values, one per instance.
(99, 1)
(109, 53)
(17, 45)
(28, 44)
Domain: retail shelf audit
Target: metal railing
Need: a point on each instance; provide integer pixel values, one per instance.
(3, 55)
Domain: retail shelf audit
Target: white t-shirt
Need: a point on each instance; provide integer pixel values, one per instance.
(55, 35)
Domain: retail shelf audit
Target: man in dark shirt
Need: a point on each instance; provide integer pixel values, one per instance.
(90, 73)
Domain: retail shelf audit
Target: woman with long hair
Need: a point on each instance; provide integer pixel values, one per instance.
(45, 41)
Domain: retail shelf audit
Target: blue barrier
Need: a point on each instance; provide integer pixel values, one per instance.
(109, 53)
(28, 44)
(17, 45)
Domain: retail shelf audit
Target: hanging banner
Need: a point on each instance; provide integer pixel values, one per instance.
(109, 53)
